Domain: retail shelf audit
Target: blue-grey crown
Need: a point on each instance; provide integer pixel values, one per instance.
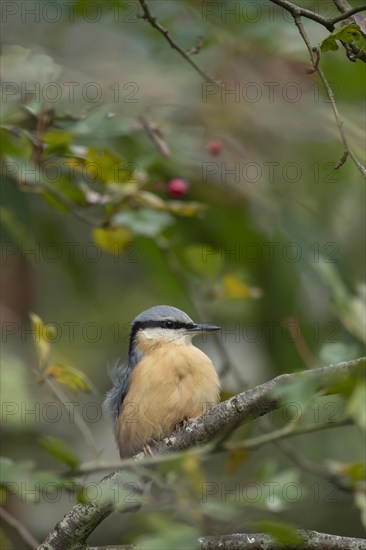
(161, 313)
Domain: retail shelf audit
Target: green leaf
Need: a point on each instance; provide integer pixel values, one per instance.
(57, 140)
(346, 33)
(144, 221)
(284, 533)
(66, 188)
(329, 44)
(106, 166)
(59, 450)
(15, 146)
(101, 124)
(356, 405)
(21, 65)
(16, 228)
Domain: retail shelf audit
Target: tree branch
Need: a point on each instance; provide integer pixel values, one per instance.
(346, 14)
(147, 15)
(76, 526)
(345, 9)
(302, 12)
(330, 94)
(312, 540)
(244, 407)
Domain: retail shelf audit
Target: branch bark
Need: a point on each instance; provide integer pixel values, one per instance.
(312, 540)
(77, 525)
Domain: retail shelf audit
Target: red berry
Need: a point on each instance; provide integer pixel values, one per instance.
(215, 147)
(177, 188)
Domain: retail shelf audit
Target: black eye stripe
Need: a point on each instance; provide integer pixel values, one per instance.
(141, 325)
(167, 323)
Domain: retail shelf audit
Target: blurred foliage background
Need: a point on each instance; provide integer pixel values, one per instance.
(262, 234)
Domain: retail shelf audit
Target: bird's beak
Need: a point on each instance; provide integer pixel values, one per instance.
(204, 327)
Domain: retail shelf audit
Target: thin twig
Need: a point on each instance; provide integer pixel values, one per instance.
(21, 529)
(330, 95)
(342, 5)
(79, 421)
(285, 432)
(297, 11)
(155, 135)
(82, 216)
(328, 23)
(346, 14)
(155, 23)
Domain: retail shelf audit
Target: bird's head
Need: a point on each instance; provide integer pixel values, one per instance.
(164, 324)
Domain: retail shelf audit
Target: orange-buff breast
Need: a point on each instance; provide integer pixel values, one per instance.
(170, 384)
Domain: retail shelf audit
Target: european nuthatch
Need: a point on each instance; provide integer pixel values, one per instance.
(167, 380)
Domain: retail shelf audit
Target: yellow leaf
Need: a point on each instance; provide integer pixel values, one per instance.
(73, 378)
(112, 239)
(233, 287)
(186, 209)
(41, 335)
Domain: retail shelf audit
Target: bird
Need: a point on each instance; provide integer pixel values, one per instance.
(166, 381)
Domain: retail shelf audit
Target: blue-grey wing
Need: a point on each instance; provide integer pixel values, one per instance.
(120, 375)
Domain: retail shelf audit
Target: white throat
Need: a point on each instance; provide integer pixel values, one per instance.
(179, 336)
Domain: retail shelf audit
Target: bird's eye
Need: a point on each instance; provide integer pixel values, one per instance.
(168, 324)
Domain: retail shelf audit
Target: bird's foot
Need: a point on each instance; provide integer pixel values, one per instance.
(147, 450)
